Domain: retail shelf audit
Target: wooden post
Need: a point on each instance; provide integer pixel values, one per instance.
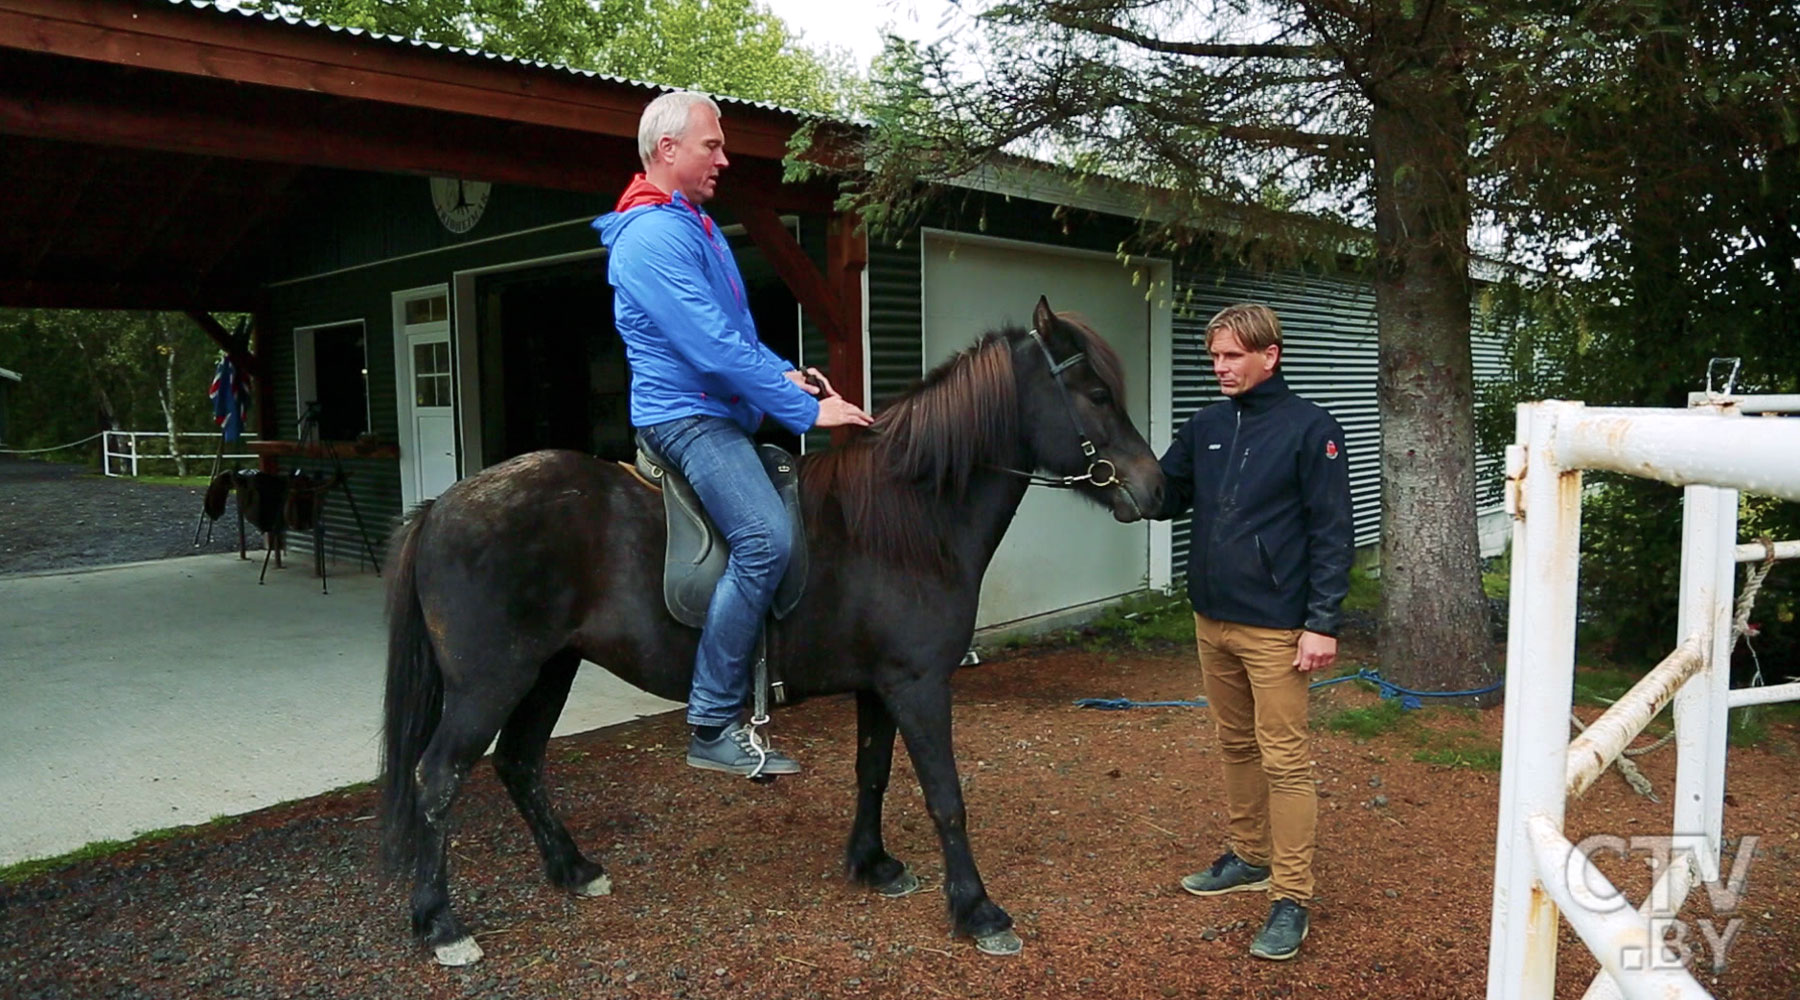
(266, 427)
(846, 257)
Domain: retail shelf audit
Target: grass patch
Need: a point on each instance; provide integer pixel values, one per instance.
(192, 482)
(1497, 584)
(1468, 758)
(1601, 686)
(1142, 621)
(1462, 748)
(1365, 592)
(1384, 716)
(103, 848)
(1748, 726)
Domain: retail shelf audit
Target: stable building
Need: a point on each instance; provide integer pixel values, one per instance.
(408, 226)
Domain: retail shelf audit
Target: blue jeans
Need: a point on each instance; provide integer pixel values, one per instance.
(720, 460)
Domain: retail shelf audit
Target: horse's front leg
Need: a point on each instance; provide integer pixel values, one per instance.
(922, 710)
(867, 859)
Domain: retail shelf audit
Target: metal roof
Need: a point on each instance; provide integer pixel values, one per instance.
(468, 53)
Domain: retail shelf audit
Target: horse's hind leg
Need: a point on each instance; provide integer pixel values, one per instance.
(468, 726)
(519, 759)
(867, 858)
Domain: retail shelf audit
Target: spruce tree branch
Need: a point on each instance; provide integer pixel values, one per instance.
(1207, 50)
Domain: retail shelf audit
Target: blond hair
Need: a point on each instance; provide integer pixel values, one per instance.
(1256, 327)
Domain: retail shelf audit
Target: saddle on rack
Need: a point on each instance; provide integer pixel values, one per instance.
(695, 558)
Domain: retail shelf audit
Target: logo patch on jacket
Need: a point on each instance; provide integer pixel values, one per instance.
(1331, 449)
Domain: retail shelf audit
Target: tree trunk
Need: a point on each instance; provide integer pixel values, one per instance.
(108, 418)
(165, 396)
(1434, 619)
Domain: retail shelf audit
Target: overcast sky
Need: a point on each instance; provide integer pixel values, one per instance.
(856, 25)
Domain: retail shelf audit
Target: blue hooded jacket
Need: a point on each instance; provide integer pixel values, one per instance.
(680, 306)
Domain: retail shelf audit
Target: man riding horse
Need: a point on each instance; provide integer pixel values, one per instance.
(701, 382)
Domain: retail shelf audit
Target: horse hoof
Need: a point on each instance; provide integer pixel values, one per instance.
(462, 951)
(904, 884)
(999, 943)
(601, 886)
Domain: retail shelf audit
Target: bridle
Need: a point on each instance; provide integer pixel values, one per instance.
(1100, 471)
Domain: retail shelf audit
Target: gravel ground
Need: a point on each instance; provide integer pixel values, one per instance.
(55, 516)
(1081, 821)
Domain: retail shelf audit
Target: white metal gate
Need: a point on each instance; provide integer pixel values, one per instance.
(1714, 450)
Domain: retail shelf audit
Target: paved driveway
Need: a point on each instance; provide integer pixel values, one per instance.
(159, 694)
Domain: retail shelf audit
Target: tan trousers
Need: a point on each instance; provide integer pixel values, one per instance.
(1259, 702)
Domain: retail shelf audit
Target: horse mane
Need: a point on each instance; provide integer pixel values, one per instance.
(897, 486)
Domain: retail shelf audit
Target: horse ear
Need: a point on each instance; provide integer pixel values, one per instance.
(1043, 320)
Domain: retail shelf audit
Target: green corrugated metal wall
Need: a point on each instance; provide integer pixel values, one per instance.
(366, 294)
(1331, 356)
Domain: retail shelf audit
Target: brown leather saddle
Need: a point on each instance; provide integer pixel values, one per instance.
(695, 557)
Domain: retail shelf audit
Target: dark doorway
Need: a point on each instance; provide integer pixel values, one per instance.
(553, 370)
(777, 317)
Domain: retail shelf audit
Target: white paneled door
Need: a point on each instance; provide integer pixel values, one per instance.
(434, 415)
(425, 376)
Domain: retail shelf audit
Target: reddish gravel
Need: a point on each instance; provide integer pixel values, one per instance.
(1082, 821)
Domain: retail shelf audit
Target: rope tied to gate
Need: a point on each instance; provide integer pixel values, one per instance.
(1740, 620)
(1753, 581)
(1409, 698)
(40, 451)
(1740, 629)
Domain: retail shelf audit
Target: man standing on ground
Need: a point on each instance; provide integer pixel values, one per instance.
(1268, 569)
(701, 382)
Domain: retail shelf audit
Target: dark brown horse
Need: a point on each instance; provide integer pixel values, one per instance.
(502, 585)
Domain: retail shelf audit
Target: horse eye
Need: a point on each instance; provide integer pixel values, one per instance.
(1101, 396)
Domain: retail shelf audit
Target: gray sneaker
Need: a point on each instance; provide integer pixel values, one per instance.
(1280, 938)
(1228, 874)
(733, 754)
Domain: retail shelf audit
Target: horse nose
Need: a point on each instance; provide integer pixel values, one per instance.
(1146, 486)
(1153, 493)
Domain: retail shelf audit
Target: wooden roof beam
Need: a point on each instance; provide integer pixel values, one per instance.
(397, 143)
(27, 293)
(236, 348)
(253, 50)
(56, 221)
(815, 294)
(272, 182)
(171, 205)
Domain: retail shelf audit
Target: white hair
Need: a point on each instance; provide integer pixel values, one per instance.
(668, 115)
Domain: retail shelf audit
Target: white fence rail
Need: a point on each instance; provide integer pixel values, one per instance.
(126, 447)
(1713, 450)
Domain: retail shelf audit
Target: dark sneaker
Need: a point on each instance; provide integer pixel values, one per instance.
(733, 753)
(1228, 874)
(1280, 937)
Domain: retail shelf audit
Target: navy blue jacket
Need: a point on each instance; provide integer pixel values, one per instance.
(1266, 476)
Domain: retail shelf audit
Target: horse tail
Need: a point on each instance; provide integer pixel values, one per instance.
(414, 700)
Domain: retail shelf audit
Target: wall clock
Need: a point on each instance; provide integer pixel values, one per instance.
(459, 203)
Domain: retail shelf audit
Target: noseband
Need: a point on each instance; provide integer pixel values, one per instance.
(1100, 471)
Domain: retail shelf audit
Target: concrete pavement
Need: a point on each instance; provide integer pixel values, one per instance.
(161, 694)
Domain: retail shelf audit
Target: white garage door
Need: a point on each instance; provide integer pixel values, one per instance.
(1061, 551)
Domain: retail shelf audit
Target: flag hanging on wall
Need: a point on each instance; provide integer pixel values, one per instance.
(230, 394)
